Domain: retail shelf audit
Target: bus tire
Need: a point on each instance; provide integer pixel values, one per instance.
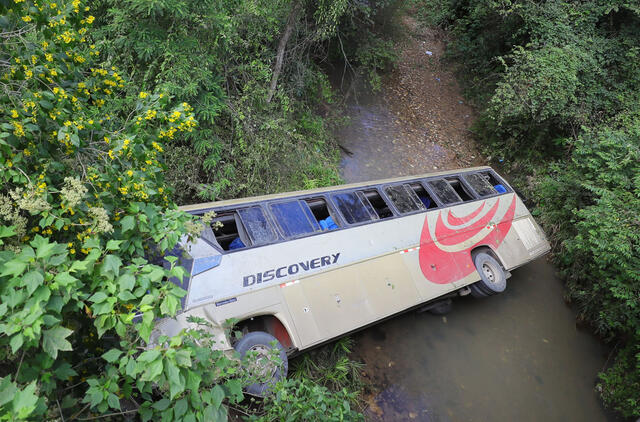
(493, 279)
(261, 343)
(476, 291)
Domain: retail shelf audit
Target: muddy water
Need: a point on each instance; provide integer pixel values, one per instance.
(517, 356)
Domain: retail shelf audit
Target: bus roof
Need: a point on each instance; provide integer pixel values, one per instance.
(237, 201)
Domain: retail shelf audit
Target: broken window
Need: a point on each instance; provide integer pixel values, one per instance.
(481, 184)
(226, 232)
(322, 214)
(404, 198)
(256, 225)
(460, 189)
(353, 208)
(294, 218)
(423, 195)
(378, 203)
(444, 191)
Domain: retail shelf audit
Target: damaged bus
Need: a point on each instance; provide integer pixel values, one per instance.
(299, 269)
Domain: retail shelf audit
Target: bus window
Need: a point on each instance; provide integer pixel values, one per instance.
(321, 212)
(423, 195)
(294, 218)
(353, 208)
(457, 185)
(444, 191)
(227, 234)
(258, 228)
(480, 183)
(495, 182)
(379, 205)
(404, 198)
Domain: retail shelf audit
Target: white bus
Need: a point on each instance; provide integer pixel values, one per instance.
(301, 268)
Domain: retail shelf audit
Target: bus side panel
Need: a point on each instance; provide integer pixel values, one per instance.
(338, 302)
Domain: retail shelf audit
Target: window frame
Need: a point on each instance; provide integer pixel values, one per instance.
(336, 214)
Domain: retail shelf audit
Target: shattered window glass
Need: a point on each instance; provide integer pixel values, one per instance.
(480, 184)
(444, 191)
(404, 198)
(295, 218)
(353, 208)
(256, 225)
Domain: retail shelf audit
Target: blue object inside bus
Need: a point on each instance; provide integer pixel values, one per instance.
(425, 200)
(328, 224)
(237, 243)
(500, 189)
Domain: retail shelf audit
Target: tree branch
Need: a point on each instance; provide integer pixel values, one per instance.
(291, 21)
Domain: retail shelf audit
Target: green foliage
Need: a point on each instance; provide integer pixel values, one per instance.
(83, 216)
(300, 399)
(331, 367)
(559, 84)
(219, 56)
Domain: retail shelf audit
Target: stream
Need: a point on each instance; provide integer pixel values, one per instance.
(517, 356)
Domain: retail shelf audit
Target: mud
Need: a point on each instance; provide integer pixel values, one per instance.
(517, 356)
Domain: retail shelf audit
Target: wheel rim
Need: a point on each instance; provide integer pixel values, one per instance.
(263, 367)
(489, 273)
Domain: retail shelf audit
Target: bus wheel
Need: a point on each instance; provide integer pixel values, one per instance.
(261, 346)
(492, 277)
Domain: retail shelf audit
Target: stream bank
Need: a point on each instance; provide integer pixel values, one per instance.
(515, 356)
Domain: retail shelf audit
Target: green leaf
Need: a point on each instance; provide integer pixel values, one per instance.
(161, 405)
(7, 231)
(113, 401)
(44, 249)
(14, 268)
(7, 390)
(98, 297)
(110, 266)
(53, 340)
(16, 342)
(169, 305)
(24, 402)
(64, 279)
(148, 355)
(32, 280)
(112, 355)
(114, 245)
(180, 408)
(127, 223)
(154, 369)
(126, 281)
(217, 395)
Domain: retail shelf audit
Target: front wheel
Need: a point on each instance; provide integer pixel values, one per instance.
(260, 348)
(493, 279)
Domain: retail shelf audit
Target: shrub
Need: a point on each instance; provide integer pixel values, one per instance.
(83, 215)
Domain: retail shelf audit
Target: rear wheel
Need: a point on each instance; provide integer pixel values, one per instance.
(260, 346)
(493, 279)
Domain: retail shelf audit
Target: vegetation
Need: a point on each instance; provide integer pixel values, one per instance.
(111, 112)
(251, 72)
(559, 86)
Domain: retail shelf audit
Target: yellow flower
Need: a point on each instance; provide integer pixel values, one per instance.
(26, 18)
(111, 154)
(143, 95)
(130, 173)
(14, 114)
(9, 163)
(90, 19)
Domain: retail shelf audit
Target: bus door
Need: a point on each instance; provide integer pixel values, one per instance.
(326, 305)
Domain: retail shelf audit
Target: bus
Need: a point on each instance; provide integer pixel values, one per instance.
(298, 269)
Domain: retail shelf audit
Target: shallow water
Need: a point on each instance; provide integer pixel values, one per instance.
(517, 356)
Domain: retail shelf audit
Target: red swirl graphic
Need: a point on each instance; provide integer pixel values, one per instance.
(442, 267)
